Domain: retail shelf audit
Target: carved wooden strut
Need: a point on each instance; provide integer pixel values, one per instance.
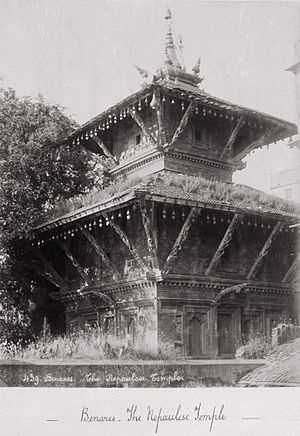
(74, 261)
(42, 273)
(147, 134)
(224, 244)
(99, 250)
(233, 136)
(104, 149)
(128, 244)
(292, 269)
(183, 122)
(49, 268)
(259, 142)
(183, 234)
(264, 251)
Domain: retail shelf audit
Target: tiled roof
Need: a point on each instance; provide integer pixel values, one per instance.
(210, 194)
(188, 92)
(245, 205)
(281, 368)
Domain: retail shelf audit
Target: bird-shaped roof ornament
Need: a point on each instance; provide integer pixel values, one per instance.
(143, 73)
(196, 69)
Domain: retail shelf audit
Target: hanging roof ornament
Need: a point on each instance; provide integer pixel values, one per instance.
(154, 103)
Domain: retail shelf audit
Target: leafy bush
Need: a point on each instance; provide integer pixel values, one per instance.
(256, 347)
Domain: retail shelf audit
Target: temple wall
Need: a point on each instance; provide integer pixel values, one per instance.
(204, 238)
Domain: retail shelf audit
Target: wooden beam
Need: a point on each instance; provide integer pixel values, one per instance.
(236, 289)
(147, 134)
(264, 251)
(259, 142)
(183, 122)
(128, 244)
(223, 244)
(44, 274)
(182, 235)
(99, 250)
(160, 119)
(74, 261)
(49, 268)
(103, 147)
(232, 137)
(149, 233)
(291, 269)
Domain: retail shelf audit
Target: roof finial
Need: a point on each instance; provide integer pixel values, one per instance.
(170, 48)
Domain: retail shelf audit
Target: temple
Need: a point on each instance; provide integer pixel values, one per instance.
(171, 253)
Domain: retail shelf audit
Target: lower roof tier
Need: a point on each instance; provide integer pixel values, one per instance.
(173, 188)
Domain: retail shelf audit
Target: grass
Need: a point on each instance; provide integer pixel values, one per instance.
(207, 188)
(87, 344)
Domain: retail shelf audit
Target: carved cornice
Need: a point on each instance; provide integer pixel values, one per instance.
(136, 163)
(110, 289)
(204, 161)
(217, 286)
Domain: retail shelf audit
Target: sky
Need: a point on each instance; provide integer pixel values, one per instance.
(80, 54)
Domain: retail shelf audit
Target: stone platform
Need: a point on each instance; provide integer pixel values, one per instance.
(153, 374)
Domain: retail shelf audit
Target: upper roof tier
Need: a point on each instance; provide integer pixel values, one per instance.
(173, 125)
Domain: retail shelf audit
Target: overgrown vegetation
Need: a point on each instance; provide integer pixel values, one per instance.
(207, 190)
(34, 175)
(257, 346)
(87, 343)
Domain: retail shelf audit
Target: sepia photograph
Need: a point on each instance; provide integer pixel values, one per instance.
(149, 200)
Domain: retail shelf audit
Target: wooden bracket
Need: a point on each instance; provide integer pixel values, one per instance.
(99, 250)
(50, 269)
(264, 251)
(236, 289)
(104, 149)
(259, 142)
(233, 136)
(149, 233)
(183, 122)
(128, 244)
(223, 244)
(182, 235)
(74, 261)
(292, 269)
(148, 135)
(44, 274)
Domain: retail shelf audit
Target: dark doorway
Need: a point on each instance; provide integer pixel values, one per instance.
(225, 334)
(131, 328)
(195, 336)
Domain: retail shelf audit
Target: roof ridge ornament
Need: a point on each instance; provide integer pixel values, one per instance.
(196, 69)
(174, 71)
(170, 47)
